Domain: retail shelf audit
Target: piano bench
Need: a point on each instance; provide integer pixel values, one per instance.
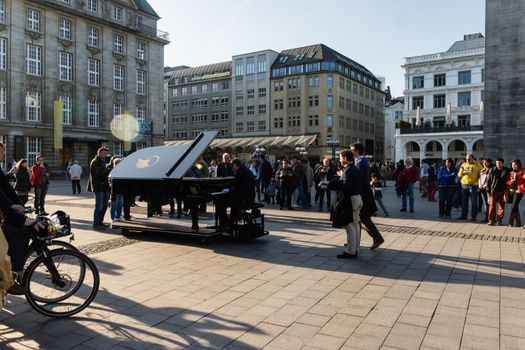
(255, 209)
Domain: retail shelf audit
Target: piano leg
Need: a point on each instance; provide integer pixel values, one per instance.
(194, 212)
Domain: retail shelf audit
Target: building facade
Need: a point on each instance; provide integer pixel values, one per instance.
(393, 114)
(316, 90)
(443, 111)
(100, 58)
(504, 125)
(251, 93)
(199, 99)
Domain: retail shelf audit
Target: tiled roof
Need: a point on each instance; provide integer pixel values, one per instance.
(214, 68)
(315, 53)
(144, 6)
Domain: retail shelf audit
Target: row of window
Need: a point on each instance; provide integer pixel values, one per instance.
(356, 125)
(250, 126)
(250, 110)
(183, 135)
(250, 65)
(216, 117)
(462, 120)
(202, 102)
(464, 100)
(464, 77)
(33, 109)
(33, 147)
(250, 93)
(196, 89)
(356, 89)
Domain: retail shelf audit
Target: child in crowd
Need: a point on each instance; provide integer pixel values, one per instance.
(377, 187)
(270, 192)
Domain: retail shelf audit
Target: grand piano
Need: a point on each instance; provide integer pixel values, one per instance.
(160, 172)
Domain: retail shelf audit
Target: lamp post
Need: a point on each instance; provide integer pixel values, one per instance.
(333, 144)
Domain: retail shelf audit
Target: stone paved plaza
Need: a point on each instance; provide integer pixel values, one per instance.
(434, 284)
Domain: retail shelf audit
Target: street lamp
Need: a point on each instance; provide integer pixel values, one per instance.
(334, 144)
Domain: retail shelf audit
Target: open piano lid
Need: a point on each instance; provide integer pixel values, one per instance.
(162, 162)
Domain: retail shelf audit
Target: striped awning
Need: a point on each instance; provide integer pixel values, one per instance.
(266, 141)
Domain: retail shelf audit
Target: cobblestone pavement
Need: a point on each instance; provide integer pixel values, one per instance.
(434, 284)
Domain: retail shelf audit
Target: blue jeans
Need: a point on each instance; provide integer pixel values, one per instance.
(469, 192)
(116, 208)
(40, 198)
(101, 205)
(409, 191)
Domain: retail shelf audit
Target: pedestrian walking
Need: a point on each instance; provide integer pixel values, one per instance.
(40, 175)
(348, 203)
(406, 180)
(515, 188)
(447, 175)
(482, 187)
(377, 188)
(75, 173)
(284, 178)
(23, 181)
(469, 176)
(322, 176)
(496, 187)
(98, 184)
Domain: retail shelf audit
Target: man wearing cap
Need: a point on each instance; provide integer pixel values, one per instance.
(99, 185)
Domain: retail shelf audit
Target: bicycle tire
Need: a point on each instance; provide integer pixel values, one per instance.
(50, 308)
(52, 245)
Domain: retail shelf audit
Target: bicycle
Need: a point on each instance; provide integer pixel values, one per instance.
(59, 282)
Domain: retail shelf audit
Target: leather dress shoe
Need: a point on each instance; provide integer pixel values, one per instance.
(345, 255)
(376, 244)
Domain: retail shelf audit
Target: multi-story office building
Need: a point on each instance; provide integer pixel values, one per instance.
(251, 93)
(316, 90)
(199, 99)
(100, 58)
(393, 115)
(443, 103)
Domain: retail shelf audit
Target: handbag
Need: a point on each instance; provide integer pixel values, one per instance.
(323, 184)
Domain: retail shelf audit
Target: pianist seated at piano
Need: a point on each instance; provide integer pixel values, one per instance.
(242, 195)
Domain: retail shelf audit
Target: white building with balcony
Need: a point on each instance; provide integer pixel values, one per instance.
(443, 110)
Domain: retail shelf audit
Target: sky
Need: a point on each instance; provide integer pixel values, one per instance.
(375, 33)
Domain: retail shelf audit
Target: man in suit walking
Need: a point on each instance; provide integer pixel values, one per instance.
(369, 205)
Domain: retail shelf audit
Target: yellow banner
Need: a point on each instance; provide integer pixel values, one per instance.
(59, 123)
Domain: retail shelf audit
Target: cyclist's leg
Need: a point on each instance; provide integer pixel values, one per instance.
(18, 239)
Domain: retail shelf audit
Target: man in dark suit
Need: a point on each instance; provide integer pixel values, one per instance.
(369, 205)
(15, 226)
(243, 191)
(224, 169)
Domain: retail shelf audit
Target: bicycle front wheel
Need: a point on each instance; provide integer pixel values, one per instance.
(61, 283)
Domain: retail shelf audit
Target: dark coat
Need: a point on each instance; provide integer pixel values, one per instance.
(224, 170)
(98, 176)
(349, 184)
(369, 203)
(244, 186)
(8, 197)
(23, 183)
(266, 170)
(496, 181)
(298, 174)
(284, 177)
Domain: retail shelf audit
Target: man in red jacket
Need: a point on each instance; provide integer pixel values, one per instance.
(407, 178)
(40, 180)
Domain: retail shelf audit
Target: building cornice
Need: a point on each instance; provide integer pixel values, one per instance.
(443, 56)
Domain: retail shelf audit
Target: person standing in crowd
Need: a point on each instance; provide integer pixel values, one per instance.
(423, 178)
(377, 187)
(322, 177)
(395, 175)
(515, 188)
(224, 169)
(270, 191)
(75, 172)
(98, 184)
(384, 172)
(432, 187)
(116, 200)
(469, 176)
(369, 206)
(308, 181)
(482, 185)
(447, 184)
(243, 191)
(347, 206)
(40, 175)
(254, 169)
(298, 179)
(284, 177)
(66, 169)
(266, 174)
(213, 169)
(406, 179)
(496, 185)
(23, 181)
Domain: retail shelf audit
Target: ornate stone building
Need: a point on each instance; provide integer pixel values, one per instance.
(100, 58)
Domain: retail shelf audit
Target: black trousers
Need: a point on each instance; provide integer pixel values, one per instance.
(372, 230)
(75, 185)
(18, 240)
(127, 206)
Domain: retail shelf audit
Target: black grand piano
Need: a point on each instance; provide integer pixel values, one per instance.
(159, 172)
